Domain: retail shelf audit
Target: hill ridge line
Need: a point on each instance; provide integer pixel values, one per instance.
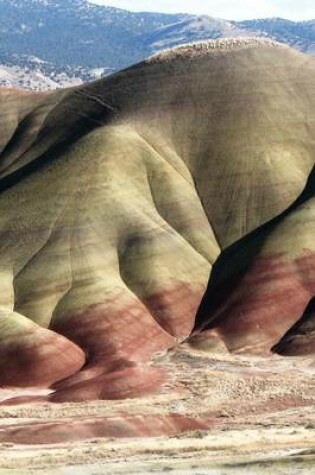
(204, 47)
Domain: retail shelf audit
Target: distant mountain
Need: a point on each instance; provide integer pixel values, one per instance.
(33, 73)
(76, 32)
(300, 35)
(75, 38)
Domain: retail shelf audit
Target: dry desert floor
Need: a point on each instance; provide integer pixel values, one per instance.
(255, 416)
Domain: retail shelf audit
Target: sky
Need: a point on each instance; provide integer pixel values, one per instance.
(227, 9)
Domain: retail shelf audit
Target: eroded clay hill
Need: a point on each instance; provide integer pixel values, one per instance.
(117, 198)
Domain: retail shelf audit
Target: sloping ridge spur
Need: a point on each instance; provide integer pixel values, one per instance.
(262, 286)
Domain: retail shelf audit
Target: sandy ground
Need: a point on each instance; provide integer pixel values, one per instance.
(258, 413)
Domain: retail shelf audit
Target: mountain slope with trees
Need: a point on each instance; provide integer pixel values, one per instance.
(70, 39)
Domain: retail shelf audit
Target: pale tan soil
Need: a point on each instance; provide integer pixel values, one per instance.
(215, 452)
(260, 413)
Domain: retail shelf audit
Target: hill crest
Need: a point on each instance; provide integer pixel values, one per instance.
(200, 48)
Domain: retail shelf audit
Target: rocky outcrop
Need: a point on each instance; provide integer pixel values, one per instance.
(117, 198)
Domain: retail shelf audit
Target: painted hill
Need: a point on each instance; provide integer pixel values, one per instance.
(118, 197)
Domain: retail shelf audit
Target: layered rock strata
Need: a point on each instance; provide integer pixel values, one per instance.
(118, 197)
